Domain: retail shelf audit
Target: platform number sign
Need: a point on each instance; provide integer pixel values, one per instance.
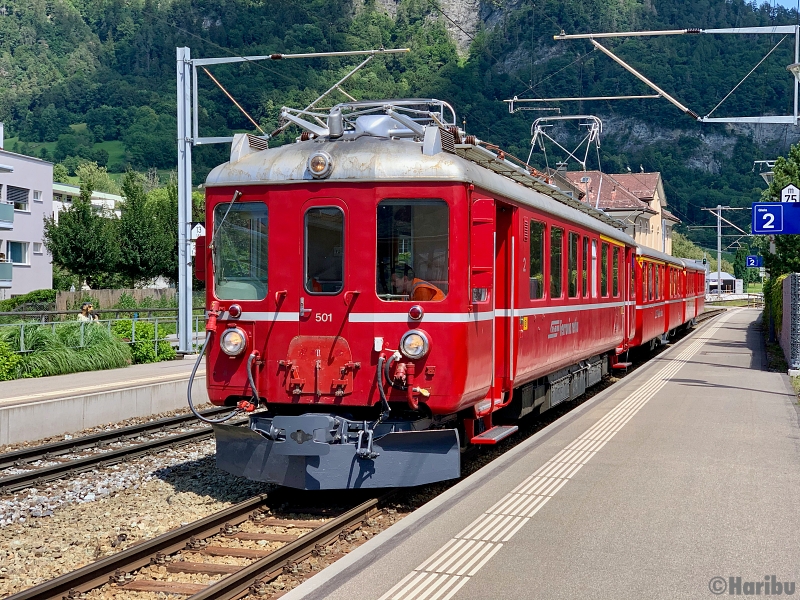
(754, 261)
(776, 218)
(790, 194)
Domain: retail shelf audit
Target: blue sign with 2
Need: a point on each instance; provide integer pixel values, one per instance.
(754, 261)
(776, 218)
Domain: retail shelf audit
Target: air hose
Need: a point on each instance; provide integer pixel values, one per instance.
(382, 392)
(389, 379)
(210, 327)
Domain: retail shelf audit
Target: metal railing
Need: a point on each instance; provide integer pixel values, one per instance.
(165, 328)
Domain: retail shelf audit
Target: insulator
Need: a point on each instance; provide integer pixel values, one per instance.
(456, 133)
(471, 139)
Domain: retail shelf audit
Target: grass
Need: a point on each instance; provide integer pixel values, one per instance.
(57, 349)
(755, 288)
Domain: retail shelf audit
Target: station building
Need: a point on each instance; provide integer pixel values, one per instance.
(636, 199)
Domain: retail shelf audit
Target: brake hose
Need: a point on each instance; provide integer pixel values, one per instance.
(253, 356)
(386, 408)
(191, 382)
(390, 380)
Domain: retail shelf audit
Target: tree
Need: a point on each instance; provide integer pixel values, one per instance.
(740, 270)
(82, 241)
(96, 178)
(787, 247)
(60, 173)
(144, 244)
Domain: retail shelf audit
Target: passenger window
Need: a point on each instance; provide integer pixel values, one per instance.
(585, 267)
(649, 281)
(658, 281)
(604, 270)
(556, 261)
(615, 272)
(573, 265)
(594, 269)
(536, 283)
(324, 250)
(633, 277)
(413, 250)
(240, 251)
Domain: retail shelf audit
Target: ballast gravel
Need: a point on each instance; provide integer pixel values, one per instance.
(50, 531)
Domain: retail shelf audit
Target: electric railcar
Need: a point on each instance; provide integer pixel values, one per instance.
(389, 293)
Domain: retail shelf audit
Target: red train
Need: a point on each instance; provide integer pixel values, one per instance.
(389, 293)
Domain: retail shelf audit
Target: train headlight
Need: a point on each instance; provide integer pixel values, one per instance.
(233, 341)
(414, 344)
(320, 164)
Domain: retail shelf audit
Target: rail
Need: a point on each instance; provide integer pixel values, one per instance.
(36, 476)
(191, 536)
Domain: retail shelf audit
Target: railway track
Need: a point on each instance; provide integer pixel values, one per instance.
(31, 475)
(208, 537)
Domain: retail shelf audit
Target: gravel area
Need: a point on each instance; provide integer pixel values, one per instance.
(101, 512)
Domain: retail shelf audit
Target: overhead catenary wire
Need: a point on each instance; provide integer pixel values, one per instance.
(232, 99)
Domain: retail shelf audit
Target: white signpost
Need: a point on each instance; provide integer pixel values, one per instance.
(790, 194)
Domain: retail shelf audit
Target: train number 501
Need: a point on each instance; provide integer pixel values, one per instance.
(324, 317)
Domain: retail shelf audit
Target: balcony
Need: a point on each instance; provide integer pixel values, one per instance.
(6, 268)
(6, 216)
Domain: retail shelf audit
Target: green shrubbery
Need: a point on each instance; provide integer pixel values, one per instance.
(9, 361)
(60, 349)
(34, 296)
(773, 301)
(142, 344)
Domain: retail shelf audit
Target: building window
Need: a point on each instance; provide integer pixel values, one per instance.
(37, 196)
(37, 247)
(18, 197)
(536, 285)
(57, 197)
(18, 252)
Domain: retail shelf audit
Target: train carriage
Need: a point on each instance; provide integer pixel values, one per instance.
(389, 295)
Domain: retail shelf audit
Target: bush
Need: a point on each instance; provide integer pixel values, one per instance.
(143, 347)
(40, 296)
(9, 362)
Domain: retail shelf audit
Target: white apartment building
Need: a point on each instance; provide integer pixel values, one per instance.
(26, 198)
(65, 193)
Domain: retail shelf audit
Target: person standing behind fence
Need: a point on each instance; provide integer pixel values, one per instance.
(87, 313)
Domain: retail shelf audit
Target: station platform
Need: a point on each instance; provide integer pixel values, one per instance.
(680, 481)
(33, 409)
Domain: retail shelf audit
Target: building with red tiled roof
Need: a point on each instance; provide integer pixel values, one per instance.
(636, 199)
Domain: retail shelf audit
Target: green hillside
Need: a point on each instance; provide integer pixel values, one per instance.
(95, 79)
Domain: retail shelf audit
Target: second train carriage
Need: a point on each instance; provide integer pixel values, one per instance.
(387, 292)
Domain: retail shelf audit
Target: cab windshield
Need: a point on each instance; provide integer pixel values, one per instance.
(412, 251)
(240, 251)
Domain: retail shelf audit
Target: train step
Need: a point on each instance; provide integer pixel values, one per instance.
(621, 365)
(495, 434)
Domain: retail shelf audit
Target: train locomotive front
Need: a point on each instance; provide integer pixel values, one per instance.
(338, 272)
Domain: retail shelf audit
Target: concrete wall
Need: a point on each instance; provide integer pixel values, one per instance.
(37, 420)
(35, 175)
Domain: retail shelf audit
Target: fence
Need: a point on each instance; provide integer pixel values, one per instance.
(103, 298)
(165, 326)
(790, 324)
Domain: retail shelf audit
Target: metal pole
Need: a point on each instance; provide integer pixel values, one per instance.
(719, 251)
(796, 60)
(184, 69)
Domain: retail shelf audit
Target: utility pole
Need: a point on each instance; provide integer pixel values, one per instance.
(719, 251)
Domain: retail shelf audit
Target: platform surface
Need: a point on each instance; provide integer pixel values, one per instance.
(18, 391)
(686, 471)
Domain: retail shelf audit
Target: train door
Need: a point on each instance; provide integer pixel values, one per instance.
(506, 283)
(320, 357)
(630, 297)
